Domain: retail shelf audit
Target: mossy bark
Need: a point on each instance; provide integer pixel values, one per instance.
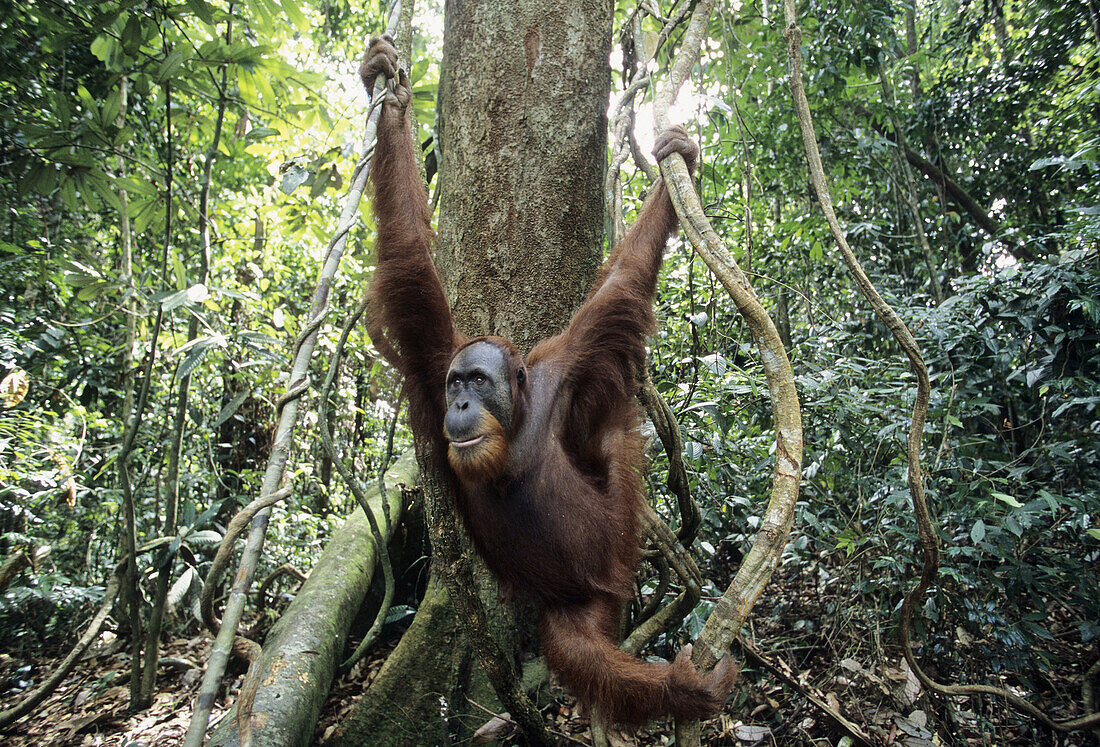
(301, 653)
(523, 99)
(418, 685)
(523, 135)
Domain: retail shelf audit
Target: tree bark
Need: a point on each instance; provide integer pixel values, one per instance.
(522, 118)
(405, 710)
(783, 317)
(524, 138)
(300, 654)
(524, 141)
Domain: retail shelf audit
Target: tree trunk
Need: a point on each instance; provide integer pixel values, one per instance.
(301, 651)
(783, 317)
(126, 270)
(524, 139)
(523, 136)
(405, 710)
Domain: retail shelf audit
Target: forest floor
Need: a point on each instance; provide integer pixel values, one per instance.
(830, 656)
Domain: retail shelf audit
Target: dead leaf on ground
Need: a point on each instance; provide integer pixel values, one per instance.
(751, 734)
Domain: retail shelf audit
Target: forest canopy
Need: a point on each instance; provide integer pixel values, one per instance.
(176, 175)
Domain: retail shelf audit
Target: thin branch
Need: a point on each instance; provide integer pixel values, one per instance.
(288, 417)
(668, 430)
(356, 489)
(133, 600)
(737, 602)
(286, 569)
(218, 566)
(942, 179)
(679, 560)
(797, 681)
(507, 717)
(171, 508)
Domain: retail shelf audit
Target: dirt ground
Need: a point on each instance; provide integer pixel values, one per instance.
(822, 661)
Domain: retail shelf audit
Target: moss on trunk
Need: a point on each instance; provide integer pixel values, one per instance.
(300, 654)
(418, 684)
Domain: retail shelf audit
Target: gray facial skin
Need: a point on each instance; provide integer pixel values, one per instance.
(477, 381)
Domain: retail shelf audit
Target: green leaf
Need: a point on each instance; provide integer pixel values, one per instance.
(263, 84)
(1068, 164)
(1053, 501)
(294, 13)
(174, 300)
(398, 612)
(244, 52)
(204, 537)
(320, 182)
(977, 532)
(183, 585)
(203, 10)
(133, 35)
(257, 339)
(169, 66)
(41, 178)
(112, 106)
(94, 290)
(260, 133)
(204, 341)
(68, 195)
(103, 47)
(264, 15)
(1094, 532)
(294, 177)
(97, 186)
(80, 280)
(143, 213)
(1005, 498)
(193, 358)
(179, 273)
(231, 407)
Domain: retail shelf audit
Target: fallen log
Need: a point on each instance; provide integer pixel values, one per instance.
(304, 647)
